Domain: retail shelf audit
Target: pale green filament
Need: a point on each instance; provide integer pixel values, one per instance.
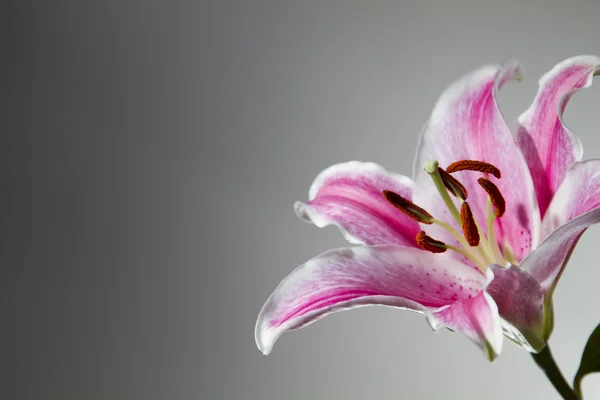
(466, 254)
(484, 247)
(432, 169)
(493, 242)
(480, 262)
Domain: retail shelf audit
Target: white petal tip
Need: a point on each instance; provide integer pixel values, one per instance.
(512, 70)
(302, 212)
(266, 350)
(264, 339)
(584, 60)
(307, 214)
(490, 353)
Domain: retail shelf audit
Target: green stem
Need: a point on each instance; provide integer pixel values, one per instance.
(545, 361)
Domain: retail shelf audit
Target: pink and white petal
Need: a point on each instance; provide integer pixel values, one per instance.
(574, 208)
(477, 318)
(520, 301)
(548, 145)
(348, 195)
(389, 275)
(466, 124)
(578, 194)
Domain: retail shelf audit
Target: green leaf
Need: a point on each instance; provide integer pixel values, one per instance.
(590, 359)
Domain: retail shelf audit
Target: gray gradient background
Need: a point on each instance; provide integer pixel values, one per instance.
(151, 154)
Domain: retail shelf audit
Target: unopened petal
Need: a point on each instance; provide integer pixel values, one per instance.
(520, 301)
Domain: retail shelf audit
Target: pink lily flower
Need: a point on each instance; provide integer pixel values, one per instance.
(477, 240)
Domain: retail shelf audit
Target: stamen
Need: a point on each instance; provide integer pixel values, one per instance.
(408, 207)
(430, 244)
(468, 224)
(473, 244)
(493, 242)
(495, 196)
(472, 165)
(453, 185)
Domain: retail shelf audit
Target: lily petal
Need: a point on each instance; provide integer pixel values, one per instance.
(389, 275)
(348, 195)
(520, 301)
(548, 145)
(466, 124)
(477, 318)
(575, 207)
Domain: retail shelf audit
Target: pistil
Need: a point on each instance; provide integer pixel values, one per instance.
(431, 167)
(420, 215)
(472, 237)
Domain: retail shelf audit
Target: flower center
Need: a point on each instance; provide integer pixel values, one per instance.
(477, 242)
